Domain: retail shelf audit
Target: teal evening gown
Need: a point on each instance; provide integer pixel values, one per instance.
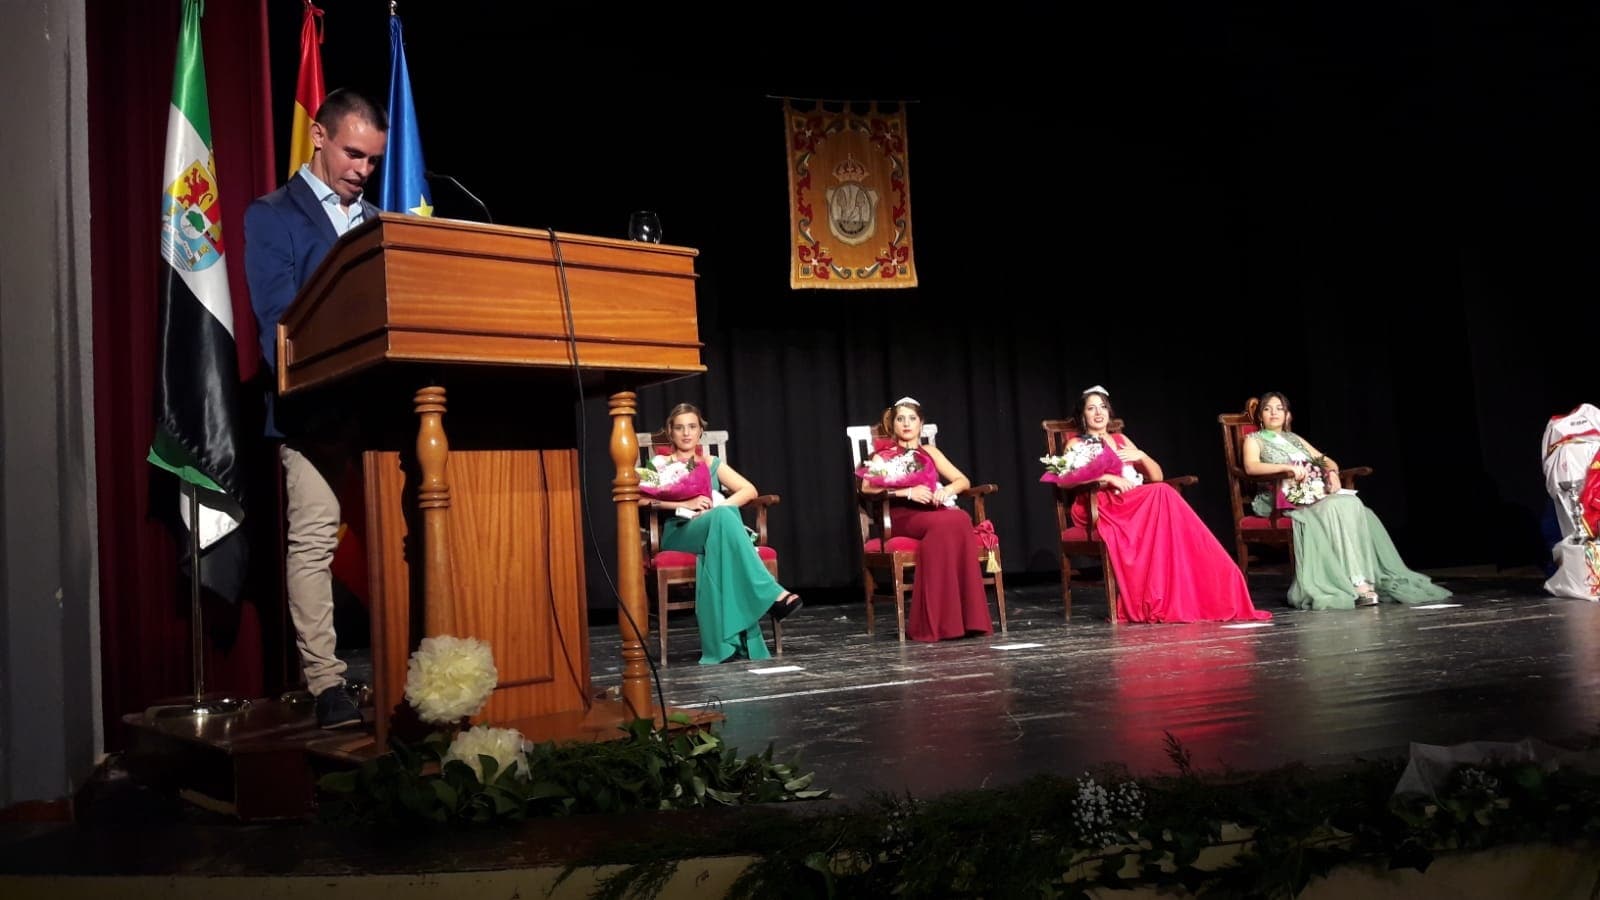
(733, 589)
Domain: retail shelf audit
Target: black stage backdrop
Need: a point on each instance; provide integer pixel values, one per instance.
(1386, 214)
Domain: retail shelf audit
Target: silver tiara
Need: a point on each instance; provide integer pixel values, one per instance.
(1097, 389)
(907, 401)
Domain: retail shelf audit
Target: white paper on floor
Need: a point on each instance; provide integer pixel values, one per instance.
(1437, 606)
(1015, 646)
(776, 670)
(1249, 625)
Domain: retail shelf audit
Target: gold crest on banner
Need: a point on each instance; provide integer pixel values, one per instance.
(849, 199)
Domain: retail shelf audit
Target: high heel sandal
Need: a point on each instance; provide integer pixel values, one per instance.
(785, 605)
(1365, 593)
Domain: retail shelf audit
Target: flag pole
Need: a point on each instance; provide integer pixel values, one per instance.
(196, 644)
(200, 707)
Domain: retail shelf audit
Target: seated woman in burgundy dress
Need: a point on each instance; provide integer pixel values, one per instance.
(1168, 564)
(947, 599)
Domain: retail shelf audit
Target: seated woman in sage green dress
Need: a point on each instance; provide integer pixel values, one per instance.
(733, 588)
(1343, 556)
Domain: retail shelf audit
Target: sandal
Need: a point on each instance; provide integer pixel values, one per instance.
(1366, 594)
(788, 603)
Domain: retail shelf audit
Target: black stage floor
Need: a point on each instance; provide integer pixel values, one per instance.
(1502, 662)
(868, 714)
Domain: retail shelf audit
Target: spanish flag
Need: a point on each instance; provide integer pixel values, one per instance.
(308, 90)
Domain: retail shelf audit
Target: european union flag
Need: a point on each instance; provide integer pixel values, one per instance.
(404, 186)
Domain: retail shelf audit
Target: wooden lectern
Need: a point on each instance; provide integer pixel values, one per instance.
(489, 536)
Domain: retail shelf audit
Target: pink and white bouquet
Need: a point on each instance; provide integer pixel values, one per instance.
(894, 467)
(1087, 460)
(668, 478)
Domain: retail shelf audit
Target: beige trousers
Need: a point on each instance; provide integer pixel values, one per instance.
(313, 534)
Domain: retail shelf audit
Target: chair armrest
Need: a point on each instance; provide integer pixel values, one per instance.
(1066, 496)
(977, 492)
(1183, 481)
(1243, 477)
(1347, 477)
(654, 515)
(876, 507)
(761, 504)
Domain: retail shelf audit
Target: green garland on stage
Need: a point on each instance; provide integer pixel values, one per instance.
(1262, 835)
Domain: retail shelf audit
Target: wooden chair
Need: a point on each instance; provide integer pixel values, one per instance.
(897, 556)
(1276, 529)
(669, 572)
(1079, 540)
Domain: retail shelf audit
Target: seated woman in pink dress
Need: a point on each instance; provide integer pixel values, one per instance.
(1168, 565)
(947, 599)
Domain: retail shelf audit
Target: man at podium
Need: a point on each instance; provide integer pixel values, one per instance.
(286, 234)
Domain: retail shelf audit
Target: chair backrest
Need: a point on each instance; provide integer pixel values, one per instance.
(862, 436)
(714, 442)
(1057, 432)
(1234, 428)
(861, 439)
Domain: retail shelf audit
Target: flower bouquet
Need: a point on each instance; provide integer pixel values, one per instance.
(1090, 459)
(477, 775)
(666, 478)
(449, 679)
(505, 746)
(894, 467)
(1294, 493)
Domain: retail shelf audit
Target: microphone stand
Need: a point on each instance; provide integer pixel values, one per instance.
(463, 189)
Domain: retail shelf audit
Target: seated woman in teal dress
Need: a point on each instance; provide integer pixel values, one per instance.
(733, 589)
(1343, 556)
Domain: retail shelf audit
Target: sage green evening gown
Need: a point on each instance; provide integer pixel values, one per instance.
(1338, 544)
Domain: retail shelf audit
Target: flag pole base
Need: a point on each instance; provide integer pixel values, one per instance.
(197, 708)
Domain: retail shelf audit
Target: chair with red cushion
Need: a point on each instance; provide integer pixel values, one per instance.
(1081, 540)
(670, 574)
(882, 553)
(1276, 529)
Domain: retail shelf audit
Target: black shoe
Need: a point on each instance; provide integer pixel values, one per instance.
(785, 605)
(337, 709)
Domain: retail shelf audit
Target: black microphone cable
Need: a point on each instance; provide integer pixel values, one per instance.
(583, 489)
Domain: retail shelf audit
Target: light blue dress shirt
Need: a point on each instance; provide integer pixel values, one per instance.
(330, 203)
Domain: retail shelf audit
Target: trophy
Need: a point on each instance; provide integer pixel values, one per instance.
(1580, 527)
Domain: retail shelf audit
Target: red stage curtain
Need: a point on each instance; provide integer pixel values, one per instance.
(144, 606)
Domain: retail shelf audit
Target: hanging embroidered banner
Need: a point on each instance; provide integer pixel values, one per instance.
(849, 199)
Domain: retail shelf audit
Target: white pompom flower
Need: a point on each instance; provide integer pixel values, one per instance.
(449, 678)
(503, 745)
